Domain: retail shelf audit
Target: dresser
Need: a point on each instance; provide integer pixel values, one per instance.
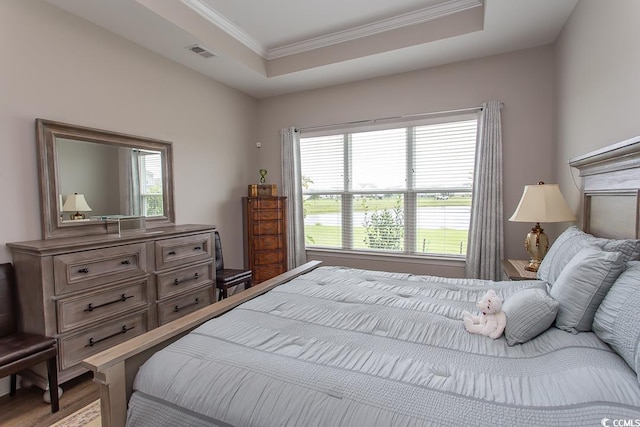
(265, 236)
(93, 292)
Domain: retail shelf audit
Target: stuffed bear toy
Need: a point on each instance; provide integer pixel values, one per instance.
(492, 320)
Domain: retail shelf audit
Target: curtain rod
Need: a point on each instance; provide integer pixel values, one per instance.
(417, 115)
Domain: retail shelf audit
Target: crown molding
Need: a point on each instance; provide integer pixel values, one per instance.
(439, 10)
(419, 16)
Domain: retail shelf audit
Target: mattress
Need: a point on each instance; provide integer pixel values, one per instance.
(345, 347)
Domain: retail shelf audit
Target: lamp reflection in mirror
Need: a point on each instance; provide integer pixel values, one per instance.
(540, 203)
(76, 203)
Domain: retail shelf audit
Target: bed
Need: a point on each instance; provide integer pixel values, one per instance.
(335, 346)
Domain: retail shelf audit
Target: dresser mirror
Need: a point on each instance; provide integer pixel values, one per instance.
(89, 177)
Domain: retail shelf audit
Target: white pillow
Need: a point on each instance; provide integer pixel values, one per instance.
(582, 286)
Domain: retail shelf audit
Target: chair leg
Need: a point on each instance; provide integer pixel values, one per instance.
(248, 284)
(12, 390)
(223, 292)
(52, 373)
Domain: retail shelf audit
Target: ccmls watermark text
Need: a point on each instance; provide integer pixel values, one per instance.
(620, 422)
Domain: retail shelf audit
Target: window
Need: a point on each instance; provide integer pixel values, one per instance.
(150, 164)
(401, 189)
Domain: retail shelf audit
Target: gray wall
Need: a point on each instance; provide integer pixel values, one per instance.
(92, 170)
(523, 80)
(598, 58)
(79, 73)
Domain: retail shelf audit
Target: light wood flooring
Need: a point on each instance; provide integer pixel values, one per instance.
(26, 408)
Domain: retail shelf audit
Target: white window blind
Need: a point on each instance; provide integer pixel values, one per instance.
(403, 190)
(378, 160)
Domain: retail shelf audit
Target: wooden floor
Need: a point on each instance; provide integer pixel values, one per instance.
(26, 408)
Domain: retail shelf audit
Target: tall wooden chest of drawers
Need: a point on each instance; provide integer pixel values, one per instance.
(265, 236)
(94, 292)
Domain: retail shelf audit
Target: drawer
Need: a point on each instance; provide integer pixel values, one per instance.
(184, 304)
(268, 214)
(73, 348)
(78, 311)
(81, 270)
(267, 203)
(267, 227)
(268, 242)
(264, 272)
(269, 257)
(181, 250)
(179, 280)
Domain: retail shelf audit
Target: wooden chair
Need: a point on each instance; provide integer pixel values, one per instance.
(228, 277)
(19, 351)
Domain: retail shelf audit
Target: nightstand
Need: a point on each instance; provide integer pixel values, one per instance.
(513, 269)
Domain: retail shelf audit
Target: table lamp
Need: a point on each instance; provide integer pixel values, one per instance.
(76, 202)
(540, 203)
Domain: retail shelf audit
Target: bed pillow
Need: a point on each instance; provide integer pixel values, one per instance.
(569, 243)
(529, 313)
(617, 319)
(582, 286)
(560, 253)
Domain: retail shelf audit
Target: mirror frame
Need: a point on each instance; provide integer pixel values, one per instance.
(46, 133)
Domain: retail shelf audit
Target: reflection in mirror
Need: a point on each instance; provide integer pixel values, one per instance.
(114, 180)
(113, 175)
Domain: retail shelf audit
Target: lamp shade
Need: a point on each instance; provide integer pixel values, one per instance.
(75, 202)
(542, 203)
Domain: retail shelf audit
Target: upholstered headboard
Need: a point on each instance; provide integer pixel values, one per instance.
(610, 190)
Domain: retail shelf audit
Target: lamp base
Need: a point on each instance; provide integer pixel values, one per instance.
(76, 215)
(532, 266)
(537, 245)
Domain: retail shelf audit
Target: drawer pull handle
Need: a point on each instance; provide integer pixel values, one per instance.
(178, 308)
(126, 262)
(171, 253)
(177, 281)
(83, 270)
(93, 342)
(197, 248)
(92, 307)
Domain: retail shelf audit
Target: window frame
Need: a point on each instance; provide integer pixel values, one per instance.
(410, 193)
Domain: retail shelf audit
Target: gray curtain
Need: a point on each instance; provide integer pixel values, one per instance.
(292, 189)
(486, 242)
(130, 200)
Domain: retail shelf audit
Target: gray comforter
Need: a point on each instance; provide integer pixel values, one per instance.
(342, 347)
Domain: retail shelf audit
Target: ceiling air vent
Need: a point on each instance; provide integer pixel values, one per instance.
(201, 51)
